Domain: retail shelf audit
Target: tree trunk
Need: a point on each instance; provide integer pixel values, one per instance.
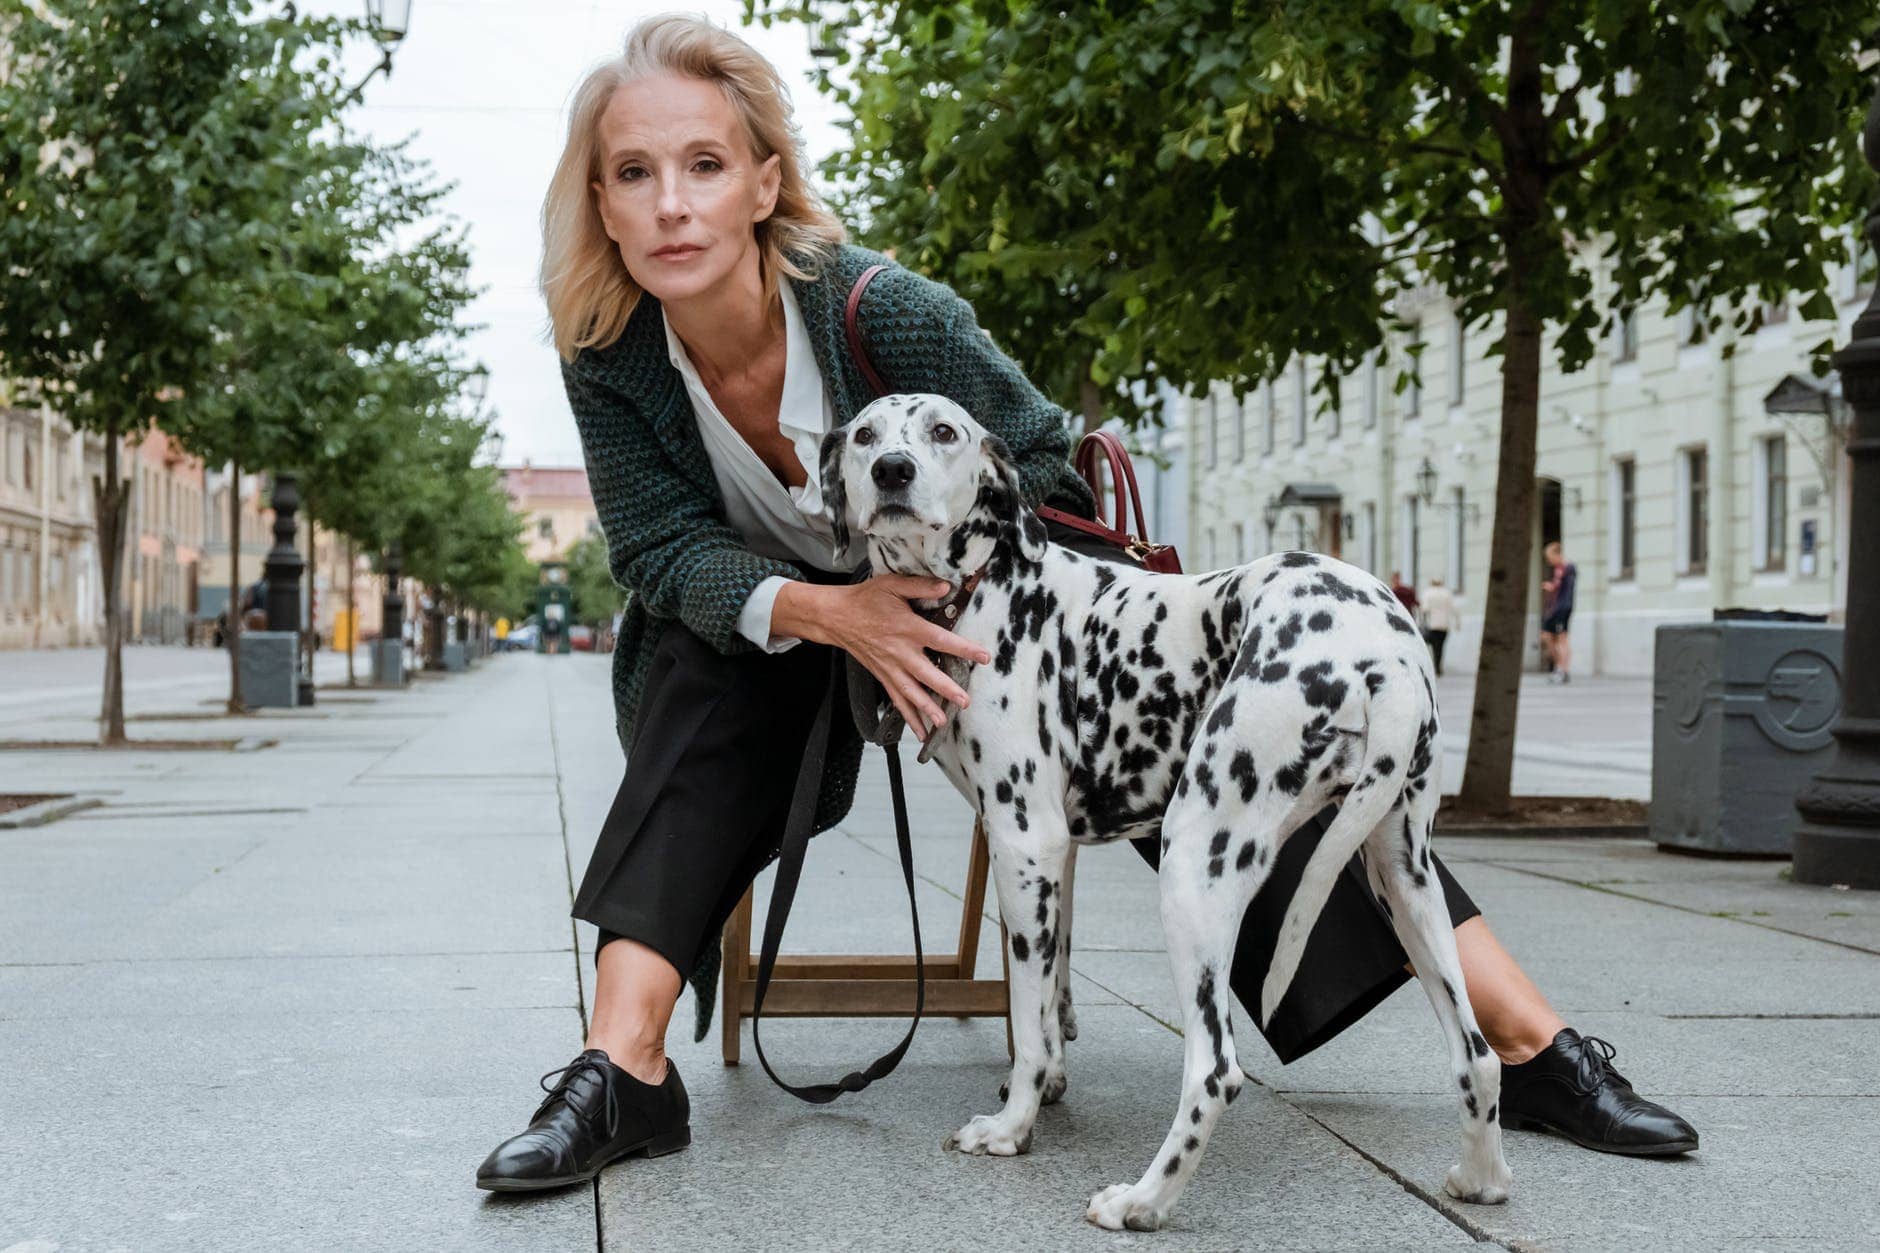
(352, 612)
(1489, 770)
(108, 500)
(236, 705)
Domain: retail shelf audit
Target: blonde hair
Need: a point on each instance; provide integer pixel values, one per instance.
(589, 292)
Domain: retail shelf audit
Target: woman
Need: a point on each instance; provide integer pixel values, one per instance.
(696, 291)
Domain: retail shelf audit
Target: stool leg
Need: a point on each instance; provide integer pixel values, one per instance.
(973, 901)
(737, 955)
(1005, 969)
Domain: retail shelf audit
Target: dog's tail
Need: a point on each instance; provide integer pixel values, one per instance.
(1380, 785)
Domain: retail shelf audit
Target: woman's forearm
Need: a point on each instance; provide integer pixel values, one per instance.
(807, 611)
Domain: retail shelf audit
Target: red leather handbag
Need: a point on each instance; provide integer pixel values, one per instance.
(1160, 558)
(1121, 488)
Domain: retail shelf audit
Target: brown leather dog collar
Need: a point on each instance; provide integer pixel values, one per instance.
(948, 611)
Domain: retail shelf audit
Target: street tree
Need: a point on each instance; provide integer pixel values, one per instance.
(145, 150)
(1199, 190)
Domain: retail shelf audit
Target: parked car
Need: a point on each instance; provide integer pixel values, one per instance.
(522, 638)
(581, 638)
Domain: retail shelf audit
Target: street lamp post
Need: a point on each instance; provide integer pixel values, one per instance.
(389, 19)
(284, 562)
(1838, 840)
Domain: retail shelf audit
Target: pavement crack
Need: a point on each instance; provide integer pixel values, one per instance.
(1480, 1234)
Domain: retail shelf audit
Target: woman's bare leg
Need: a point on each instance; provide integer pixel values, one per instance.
(635, 990)
(1513, 1015)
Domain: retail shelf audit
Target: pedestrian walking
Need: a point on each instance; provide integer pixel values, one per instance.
(696, 288)
(1405, 593)
(1557, 612)
(1439, 619)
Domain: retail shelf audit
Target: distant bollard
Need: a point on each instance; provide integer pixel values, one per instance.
(1740, 718)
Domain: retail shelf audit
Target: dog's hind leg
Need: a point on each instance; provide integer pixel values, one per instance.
(1397, 861)
(1027, 871)
(1218, 850)
(1067, 1017)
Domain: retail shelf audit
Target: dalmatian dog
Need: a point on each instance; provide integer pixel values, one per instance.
(1221, 710)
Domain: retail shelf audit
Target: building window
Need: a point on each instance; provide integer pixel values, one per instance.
(1240, 542)
(1456, 554)
(1625, 522)
(1413, 390)
(545, 528)
(1370, 536)
(1240, 428)
(1272, 415)
(1626, 348)
(1370, 391)
(1335, 416)
(1412, 538)
(1214, 427)
(1771, 502)
(1693, 511)
(1458, 359)
(1213, 560)
(1300, 542)
(1299, 401)
(1691, 330)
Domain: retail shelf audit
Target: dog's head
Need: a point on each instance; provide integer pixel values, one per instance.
(932, 490)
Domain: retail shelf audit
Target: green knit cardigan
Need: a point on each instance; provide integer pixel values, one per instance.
(668, 543)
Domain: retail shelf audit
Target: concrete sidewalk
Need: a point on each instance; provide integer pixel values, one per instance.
(290, 998)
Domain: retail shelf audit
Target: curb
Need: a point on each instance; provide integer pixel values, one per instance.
(47, 811)
(1609, 832)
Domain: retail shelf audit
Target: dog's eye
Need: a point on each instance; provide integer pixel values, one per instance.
(864, 435)
(943, 433)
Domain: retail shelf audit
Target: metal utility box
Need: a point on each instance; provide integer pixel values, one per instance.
(1741, 712)
(270, 677)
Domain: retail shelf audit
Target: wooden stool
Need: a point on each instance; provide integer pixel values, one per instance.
(867, 985)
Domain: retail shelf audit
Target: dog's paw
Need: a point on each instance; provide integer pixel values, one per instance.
(1485, 1187)
(1118, 1207)
(985, 1135)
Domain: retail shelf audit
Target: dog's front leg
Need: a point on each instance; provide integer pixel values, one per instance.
(1027, 870)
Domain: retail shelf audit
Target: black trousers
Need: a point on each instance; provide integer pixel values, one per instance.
(702, 806)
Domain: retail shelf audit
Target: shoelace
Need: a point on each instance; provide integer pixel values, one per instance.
(568, 1073)
(1596, 1063)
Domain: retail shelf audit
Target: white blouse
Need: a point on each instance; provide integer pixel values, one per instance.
(774, 520)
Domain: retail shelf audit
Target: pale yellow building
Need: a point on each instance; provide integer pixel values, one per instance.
(557, 507)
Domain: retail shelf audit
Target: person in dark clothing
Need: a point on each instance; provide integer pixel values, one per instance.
(1557, 611)
(1405, 593)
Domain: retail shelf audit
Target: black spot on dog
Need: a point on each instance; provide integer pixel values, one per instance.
(1240, 770)
(1320, 689)
(1320, 621)
(1021, 948)
(1477, 1043)
(1297, 559)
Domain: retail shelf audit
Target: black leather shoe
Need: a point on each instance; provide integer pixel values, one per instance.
(595, 1113)
(1571, 1089)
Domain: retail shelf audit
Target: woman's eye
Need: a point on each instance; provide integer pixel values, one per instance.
(864, 436)
(943, 433)
(711, 161)
(626, 174)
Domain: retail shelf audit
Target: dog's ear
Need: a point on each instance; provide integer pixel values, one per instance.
(999, 493)
(835, 495)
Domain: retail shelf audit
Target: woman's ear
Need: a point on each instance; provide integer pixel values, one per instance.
(999, 492)
(835, 495)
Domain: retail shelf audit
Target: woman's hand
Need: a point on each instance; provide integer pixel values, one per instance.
(873, 621)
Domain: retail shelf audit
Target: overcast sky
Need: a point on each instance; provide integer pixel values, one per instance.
(482, 87)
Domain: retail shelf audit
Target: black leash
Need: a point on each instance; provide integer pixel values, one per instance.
(796, 835)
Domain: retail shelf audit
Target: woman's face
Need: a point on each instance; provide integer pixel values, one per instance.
(680, 189)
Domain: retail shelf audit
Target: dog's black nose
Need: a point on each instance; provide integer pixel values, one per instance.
(892, 470)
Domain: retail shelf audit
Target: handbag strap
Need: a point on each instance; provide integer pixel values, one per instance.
(856, 350)
(796, 834)
(796, 831)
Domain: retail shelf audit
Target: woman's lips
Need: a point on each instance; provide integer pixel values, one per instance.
(678, 255)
